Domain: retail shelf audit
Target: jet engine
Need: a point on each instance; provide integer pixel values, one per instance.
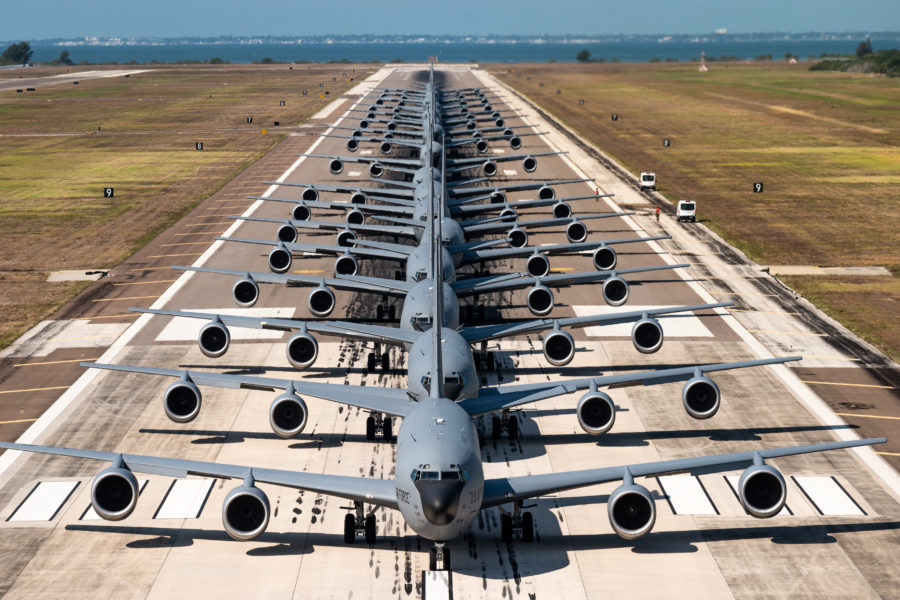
(596, 412)
(346, 264)
(481, 146)
(358, 198)
(517, 238)
(214, 339)
(546, 192)
(392, 126)
(762, 491)
(647, 335)
(498, 197)
(376, 170)
(499, 122)
(280, 259)
(529, 163)
(114, 493)
(245, 512)
(537, 265)
(301, 212)
(302, 350)
(605, 258)
(245, 292)
(576, 232)
(508, 214)
(632, 511)
(559, 347)
(562, 210)
(286, 233)
(363, 124)
(288, 415)
(321, 301)
(182, 401)
(615, 291)
(346, 237)
(386, 148)
(352, 144)
(356, 217)
(310, 194)
(336, 166)
(515, 142)
(701, 397)
(489, 168)
(539, 300)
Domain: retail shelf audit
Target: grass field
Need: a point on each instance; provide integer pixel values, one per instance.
(61, 145)
(826, 146)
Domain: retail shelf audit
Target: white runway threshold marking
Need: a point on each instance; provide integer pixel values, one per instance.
(185, 499)
(436, 585)
(733, 482)
(686, 495)
(91, 515)
(678, 325)
(182, 329)
(354, 173)
(510, 172)
(44, 501)
(828, 496)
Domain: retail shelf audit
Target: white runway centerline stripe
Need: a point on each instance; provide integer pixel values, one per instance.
(827, 495)
(678, 325)
(686, 495)
(181, 329)
(44, 501)
(91, 515)
(185, 499)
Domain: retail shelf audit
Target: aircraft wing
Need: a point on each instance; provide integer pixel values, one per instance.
(344, 189)
(354, 283)
(385, 160)
(326, 249)
(476, 209)
(493, 224)
(483, 254)
(510, 396)
(373, 491)
(512, 187)
(401, 210)
(393, 401)
(406, 231)
(455, 162)
(482, 333)
(509, 489)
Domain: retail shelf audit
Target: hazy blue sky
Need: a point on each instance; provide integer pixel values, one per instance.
(38, 19)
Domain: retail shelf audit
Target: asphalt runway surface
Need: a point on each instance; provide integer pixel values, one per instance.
(838, 538)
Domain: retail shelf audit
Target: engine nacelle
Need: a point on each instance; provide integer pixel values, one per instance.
(288, 415)
(286, 233)
(386, 148)
(615, 291)
(701, 397)
(529, 163)
(559, 348)
(508, 214)
(546, 192)
(114, 493)
(605, 258)
(562, 210)
(352, 144)
(376, 171)
(762, 491)
(356, 217)
(515, 142)
(336, 166)
(346, 237)
(358, 198)
(487, 108)
(346, 264)
(537, 265)
(471, 125)
(632, 511)
(321, 301)
(301, 212)
(498, 197)
(214, 339)
(182, 401)
(310, 194)
(499, 122)
(539, 300)
(392, 126)
(596, 413)
(481, 146)
(647, 335)
(280, 259)
(245, 292)
(363, 124)
(302, 350)
(517, 238)
(245, 512)
(489, 168)
(576, 232)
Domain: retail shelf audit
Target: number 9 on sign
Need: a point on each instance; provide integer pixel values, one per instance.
(758, 188)
(109, 192)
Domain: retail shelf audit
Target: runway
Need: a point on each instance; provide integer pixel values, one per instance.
(23, 83)
(838, 538)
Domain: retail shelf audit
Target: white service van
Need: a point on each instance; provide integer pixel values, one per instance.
(686, 211)
(648, 181)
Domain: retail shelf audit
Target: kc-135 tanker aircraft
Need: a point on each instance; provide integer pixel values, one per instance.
(439, 484)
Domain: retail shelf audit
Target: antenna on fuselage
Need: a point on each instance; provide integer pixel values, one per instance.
(437, 270)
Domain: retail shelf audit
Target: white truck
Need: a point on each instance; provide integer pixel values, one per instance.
(648, 181)
(686, 211)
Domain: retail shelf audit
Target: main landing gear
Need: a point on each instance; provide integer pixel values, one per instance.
(504, 422)
(486, 360)
(378, 423)
(379, 358)
(439, 557)
(356, 523)
(386, 312)
(519, 522)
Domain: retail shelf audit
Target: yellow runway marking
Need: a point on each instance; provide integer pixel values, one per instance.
(867, 416)
(18, 421)
(171, 255)
(55, 362)
(147, 282)
(888, 453)
(787, 332)
(822, 356)
(741, 294)
(562, 269)
(863, 385)
(151, 268)
(183, 244)
(105, 317)
(83, 337)
(206, 224)
(129, 298)
(299, 271)
(766, 312)
(200, 233)
(59, 387)
(731, 278)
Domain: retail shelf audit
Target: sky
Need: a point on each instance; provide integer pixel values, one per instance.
(41, 19)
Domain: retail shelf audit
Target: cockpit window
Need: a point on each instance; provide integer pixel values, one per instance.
(449, 475)
(420, 274)
(422, 322)
(426, 474)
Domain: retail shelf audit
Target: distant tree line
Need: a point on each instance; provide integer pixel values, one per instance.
(866, 60)
(17, 54)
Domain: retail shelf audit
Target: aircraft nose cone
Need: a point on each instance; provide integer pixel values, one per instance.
(440, 500)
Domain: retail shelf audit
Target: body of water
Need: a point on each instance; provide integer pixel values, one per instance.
(454, 53)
